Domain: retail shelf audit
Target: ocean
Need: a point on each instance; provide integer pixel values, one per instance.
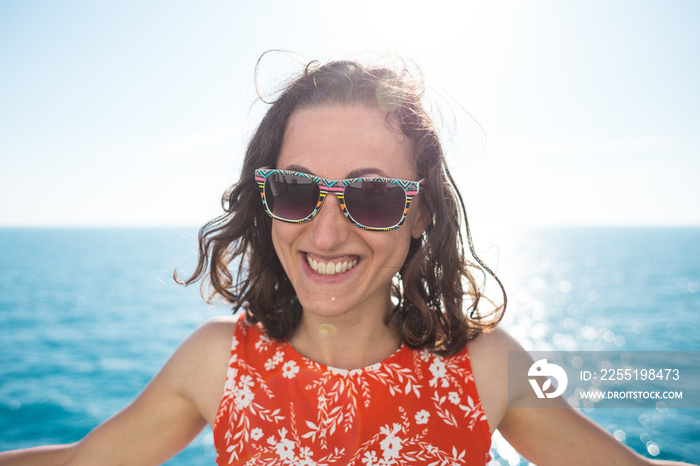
(88, 316)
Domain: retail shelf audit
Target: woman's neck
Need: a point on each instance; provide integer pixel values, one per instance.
(345, 342)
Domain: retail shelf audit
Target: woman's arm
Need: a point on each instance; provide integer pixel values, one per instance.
(164, 418)
(565, 436)
(38, 456)
(552, 435)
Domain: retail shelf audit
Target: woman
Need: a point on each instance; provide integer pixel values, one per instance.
(359, 343)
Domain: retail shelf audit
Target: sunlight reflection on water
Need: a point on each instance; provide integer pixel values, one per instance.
(597, 289)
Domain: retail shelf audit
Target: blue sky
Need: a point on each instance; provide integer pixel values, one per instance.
(136, 112)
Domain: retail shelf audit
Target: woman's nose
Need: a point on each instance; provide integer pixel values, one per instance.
(330, 227)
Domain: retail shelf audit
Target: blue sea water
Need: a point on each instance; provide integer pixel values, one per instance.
(610, 289)
(88, 316)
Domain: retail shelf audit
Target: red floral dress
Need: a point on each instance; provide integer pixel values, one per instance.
(280, 408)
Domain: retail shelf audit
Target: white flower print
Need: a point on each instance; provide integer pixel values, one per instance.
(454, 398)
(263, 342)
(256, 433)
(438, 369)
(424, 355)
(304, 459)
(391, 445)
(274, 361)
(285, 449)
(422, 417)
(370, 458)
(246, 381)
(290, 369)
(243, 397)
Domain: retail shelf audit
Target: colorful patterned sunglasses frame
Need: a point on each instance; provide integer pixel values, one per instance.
(337, 187)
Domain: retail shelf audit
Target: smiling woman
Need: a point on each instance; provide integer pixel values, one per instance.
(356, 177)
(336, 142)
(364, 338)
(336, 121)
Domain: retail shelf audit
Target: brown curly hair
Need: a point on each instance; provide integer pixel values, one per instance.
(429, 290)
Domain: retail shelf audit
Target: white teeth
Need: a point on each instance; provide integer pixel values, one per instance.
(330, 268)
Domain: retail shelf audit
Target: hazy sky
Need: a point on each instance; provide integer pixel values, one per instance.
(137, 112)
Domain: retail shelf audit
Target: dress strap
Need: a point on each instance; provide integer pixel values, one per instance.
(229, 385)
(232, 356)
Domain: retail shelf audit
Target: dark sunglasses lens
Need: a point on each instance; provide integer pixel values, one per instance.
(375, 204)
(291, 197)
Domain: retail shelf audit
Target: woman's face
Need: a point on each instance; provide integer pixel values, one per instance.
(337, 142)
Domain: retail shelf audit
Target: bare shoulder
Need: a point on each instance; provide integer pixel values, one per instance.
(215, 332)
(200, 364)
(493, 343)
(209, 344)
(489, 359)
(489, 353)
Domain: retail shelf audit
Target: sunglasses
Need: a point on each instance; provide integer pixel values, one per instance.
(369, 203)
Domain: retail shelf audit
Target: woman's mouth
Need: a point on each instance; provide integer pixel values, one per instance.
(330, 267)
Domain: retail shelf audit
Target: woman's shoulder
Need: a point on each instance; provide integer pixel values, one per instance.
(216, 332)
(489, 360)
(494, 344)
(199, 365)
(216, 338)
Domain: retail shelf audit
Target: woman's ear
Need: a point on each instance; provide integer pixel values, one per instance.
(422, 219)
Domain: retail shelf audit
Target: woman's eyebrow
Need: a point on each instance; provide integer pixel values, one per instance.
(361, 172)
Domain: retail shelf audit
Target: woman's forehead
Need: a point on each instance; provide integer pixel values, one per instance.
(335, 141)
